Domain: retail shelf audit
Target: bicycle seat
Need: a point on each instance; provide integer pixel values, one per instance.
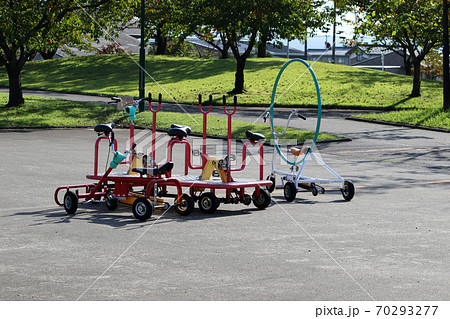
(179, 131)
(254, 136)
(104, 128)
(163, 169)
(297, 151)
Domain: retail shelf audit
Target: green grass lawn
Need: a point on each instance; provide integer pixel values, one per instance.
(43, 112)
(429, 117)
(182, 79)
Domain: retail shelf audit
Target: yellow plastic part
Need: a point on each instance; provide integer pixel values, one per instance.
(211, 165)
(130, 200)
(137, 162)
(209, 168)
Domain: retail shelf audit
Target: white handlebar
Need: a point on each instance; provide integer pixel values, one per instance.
(294, 111)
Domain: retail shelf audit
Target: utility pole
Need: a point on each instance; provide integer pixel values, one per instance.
(333, 58)
(287, 52)
(306, 47)
(142, 58)
(445, 57)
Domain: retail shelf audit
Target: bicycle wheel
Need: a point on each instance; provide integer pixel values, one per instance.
(319, 110)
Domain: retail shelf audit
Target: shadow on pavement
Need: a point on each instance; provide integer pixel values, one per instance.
(122, 217)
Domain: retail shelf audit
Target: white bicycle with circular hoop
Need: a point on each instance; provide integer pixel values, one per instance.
(294, 180)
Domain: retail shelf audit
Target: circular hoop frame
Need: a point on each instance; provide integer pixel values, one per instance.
(319, 109)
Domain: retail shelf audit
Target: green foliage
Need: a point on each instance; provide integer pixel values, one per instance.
(433, 65)
(187, 49)
(159, 15)
(414, 25)
(35, 25)
(31, 26)
(236, 20)
(111, 48)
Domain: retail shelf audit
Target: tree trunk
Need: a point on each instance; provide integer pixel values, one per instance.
(225, 46)
(262, 46)
(406, 62)
(48, 54)
(15, 87)
(224, 52)
(161, 42)
(240, 61)
(408, 66)
(239, 76)
(417, 80)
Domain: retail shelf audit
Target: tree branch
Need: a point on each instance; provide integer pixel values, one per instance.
(208, 41)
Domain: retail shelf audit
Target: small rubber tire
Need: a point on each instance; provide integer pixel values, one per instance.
(90, 189)
(271, 188)
(246, 200)
(186, 206)
(314, 190)
(263, 200)
(290, 191)
(142, 209)
(348, 191)
(70, 202)
(208, 203)
(110, 201)
(152, 191)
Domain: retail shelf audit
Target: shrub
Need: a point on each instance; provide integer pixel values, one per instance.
(111, 48)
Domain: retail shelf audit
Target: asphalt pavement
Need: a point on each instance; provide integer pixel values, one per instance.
(389, 243)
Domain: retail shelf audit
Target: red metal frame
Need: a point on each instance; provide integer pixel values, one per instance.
(244, 158)
(230, 185)
(154, 111)
(187, 145)
(121, 184)
(76, 187)
(205, 119)
(96, 152)
(187, 154)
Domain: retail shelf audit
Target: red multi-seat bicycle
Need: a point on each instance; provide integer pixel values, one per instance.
(145, 184)
(133, 187)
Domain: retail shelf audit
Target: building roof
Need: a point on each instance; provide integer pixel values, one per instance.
(390, 59)
(376, 50)
(339, 51)
(282, 52)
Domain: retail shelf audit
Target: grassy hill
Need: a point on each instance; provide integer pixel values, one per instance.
(182, 79)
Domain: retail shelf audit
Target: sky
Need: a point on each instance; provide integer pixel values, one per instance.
(318, 41)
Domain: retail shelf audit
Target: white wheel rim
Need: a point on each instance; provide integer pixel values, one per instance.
(141, 209)
(68, 201)
(206, 203)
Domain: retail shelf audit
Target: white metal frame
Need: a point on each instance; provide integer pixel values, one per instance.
(298, 177)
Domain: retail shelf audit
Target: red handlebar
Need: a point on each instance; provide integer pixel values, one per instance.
(225, 105)
(200, 104)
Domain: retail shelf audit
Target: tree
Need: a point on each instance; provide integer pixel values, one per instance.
(445, 57)
(262, 45)
(289, 20)
(415, 25)
(240, 22)
(433, 65)
(31, 26)
(159, 22)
